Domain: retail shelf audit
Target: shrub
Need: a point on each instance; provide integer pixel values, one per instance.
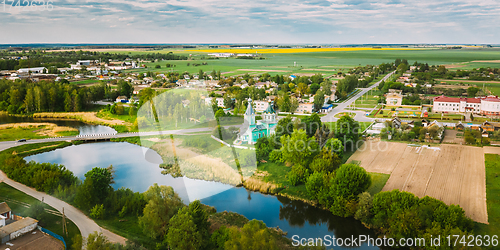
(97, 212)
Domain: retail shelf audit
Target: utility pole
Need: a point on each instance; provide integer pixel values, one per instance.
(65, 228)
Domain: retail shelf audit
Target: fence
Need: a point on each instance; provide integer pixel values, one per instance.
(53, 235)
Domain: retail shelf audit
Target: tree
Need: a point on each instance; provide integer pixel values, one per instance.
(132, 111)
(326, 86)
(228, 102)
(95, 187)
(326, 161)
(314, 184)
(298, 175)
(336, 146)
(298, 148)
(294, 104)
(314, 88)
(253, 235)
(471, 91)
(311, 123)
(319, 100)
(97, 241)
(283, 101)
(350, 180)
(347, 131)
(200, 219)
(364, 206)
(302, 89)
(162, 204)
(284, 127)
(182, 232)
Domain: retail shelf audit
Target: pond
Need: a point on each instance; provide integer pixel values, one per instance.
(83, 128)
(134, 171)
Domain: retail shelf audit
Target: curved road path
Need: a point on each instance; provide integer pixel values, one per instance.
(84, 223)
(87, 225)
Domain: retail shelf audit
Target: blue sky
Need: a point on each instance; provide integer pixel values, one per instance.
(256, 21)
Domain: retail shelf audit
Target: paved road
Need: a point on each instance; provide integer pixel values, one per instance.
(330, 117)
(84, 223)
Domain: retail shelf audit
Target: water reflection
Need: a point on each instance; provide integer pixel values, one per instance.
(132, 170)
(294, 217)
(85, 129)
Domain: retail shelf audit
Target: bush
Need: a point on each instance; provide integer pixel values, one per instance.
(97, 212)
(298, 175)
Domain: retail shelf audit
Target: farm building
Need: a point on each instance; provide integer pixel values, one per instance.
(38, 70)
(17, 229)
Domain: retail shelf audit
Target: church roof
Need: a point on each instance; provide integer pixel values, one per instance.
(269, 109)
(250, 110)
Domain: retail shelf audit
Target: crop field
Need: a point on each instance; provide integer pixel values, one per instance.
(454, 174)
(325, 61)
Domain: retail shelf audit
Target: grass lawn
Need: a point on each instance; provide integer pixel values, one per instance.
(278, 174)
(105, 114)
(333, 126)
(17, 201)
(378, 182)
(492, 162)
(129, 228)
(13, 134)
(27, 131)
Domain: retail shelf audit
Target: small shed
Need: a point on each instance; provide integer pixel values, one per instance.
(16, 229)
(5, 210)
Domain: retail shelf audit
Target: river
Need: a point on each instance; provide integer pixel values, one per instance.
(83, 128)
(133, 171)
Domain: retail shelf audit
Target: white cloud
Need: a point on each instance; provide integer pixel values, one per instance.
(259, 21)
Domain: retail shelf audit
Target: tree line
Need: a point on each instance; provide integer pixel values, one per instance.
(24, 96)
(316, 161)
(61, 59)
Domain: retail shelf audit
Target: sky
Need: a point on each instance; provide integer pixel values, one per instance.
(255, 21)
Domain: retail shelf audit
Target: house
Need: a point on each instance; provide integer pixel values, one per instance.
(326, 108)
(261, 105)
(122, 99)
(38, 70)
(219, 100)
(396, 122)
(488, 127)
(394, 97)
(305, 108)
(5, 213)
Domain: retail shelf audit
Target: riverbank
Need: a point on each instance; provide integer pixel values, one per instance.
(128, 226)
(16, 131)
(88, 117)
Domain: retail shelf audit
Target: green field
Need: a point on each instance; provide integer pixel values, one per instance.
(378, 182)
(18, 202)
(322, 62)
(369, 100)
(492, 162)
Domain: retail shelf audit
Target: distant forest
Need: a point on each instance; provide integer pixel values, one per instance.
(61, 59)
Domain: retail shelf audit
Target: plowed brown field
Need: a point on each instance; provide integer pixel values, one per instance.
(454, 174)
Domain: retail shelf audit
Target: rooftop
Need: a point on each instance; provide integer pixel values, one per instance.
(4, 208)
(16, 226)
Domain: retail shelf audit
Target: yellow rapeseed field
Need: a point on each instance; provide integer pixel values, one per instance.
(287, 50)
